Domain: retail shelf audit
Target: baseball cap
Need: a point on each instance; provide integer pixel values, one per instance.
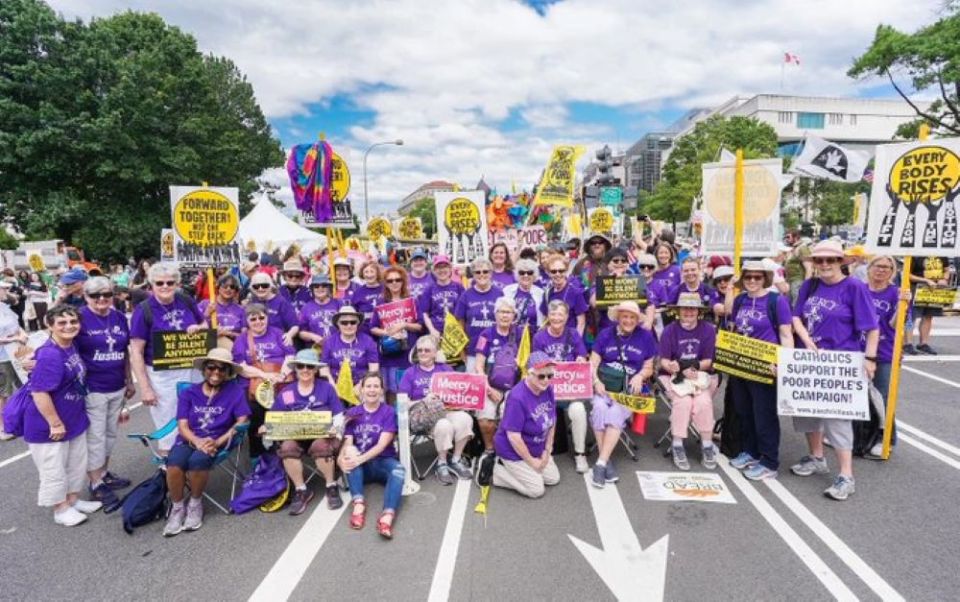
(441, 259)
(538, 360)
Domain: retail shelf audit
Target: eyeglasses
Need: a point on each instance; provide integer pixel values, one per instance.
(480, 272)
(749, 277)
(62, 323)
(259, 287)
(256, 318)
(425, 350)
(393, 280)
(524, 273)
(100, 295)
(881, 266)
(229, 287)
(165, 283)
(546, 376)
(215, 368)
(646, 267)
(289, 275)
(304, 366)
(348, 322)
(506, 311)
(557, 271)
(618, 260)
(826, 260)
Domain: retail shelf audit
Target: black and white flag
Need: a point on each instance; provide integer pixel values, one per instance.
(826, 160)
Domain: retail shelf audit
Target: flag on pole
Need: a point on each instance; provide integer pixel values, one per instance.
(454, 339)
(345, 384)
(829, 161)
(791, 59)
(523, 352)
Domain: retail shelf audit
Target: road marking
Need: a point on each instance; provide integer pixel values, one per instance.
(929, 450)
(873, 580)
(930, 438)
(932, 377)
(296, 559)
(931, 358)
(630, 572)
(804, 552)
(945, 332)
(447, 559)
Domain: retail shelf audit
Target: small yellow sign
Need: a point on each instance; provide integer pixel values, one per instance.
(640, 404)
(379, 226)
(601, 221)
(410, 228)
(36, 263)
(206, 218)
(341, 179)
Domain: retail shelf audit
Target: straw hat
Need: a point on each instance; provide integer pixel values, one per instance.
(757, 266)
(627, 306)
(689, 301)
(346, 310)
(293, 265)
(827, 248)
(217, 354)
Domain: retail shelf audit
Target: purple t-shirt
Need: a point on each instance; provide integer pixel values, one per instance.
(885, 304)
(346, 295)
(637, 348)
(679, 344)
(527, 312)
(360, 353)
(836, 314)
(59, 372)
(753, 318)
(298, 297)
(212, 417)
(708, 295)
(317, 319)
(438, 299)
(572, 296)
(280, 313)
(491, 341)
(530, 415)
(416, 381)
(502, 279)
(268, 347)
(364, 299)
(565, 348)
(176, 316)
(323, 398)
(396, 360)
(366, 427)
(664, 280)
(229, 316)
(102, 345)
(418, 285)
(476, 311)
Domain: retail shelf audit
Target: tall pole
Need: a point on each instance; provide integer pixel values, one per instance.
(738, 212)
(366, 204)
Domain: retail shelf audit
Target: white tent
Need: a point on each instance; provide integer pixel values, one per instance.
(265, 224)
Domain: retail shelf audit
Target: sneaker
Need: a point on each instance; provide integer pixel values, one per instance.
(580, 461)
(925, 348)
(5, 436)
(599, 476)
(842, 488)
(114, 482)
(461, 469)
(709, 459)
(910, 350)
(71, 517)
(808, 465)
(876, 452)
(301, 498)
(480, 460)
(175, 520)
(680, 457)
(334, 501)
(759, 472)
(743, 461)
(444, 475)
(87, 507)
(610, 472)
(104, 494)
(194, 518)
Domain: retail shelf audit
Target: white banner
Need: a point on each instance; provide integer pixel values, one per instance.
(684, 487)
(462, 225)
(912, 204)
(762, 180)
(205, 225)
(822, 384)
(829, 161)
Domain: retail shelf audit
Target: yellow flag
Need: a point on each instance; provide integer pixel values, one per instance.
(559, 178)
(454, 339)
(345, 384)
(523, 353)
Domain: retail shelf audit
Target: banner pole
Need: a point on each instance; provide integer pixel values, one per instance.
(212, 292)
(738, 213)
(902, 307)
(403, 425)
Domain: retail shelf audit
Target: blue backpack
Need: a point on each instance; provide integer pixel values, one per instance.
(14, 411)
(145, 503)
(266, 482)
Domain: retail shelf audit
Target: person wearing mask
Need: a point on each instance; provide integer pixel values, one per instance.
(527, 296)
(475, 307)
(316, 317)
(280, 313)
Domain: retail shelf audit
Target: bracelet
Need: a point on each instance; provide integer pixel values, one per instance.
(871, 358)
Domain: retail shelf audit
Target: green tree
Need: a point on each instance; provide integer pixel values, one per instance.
(426, 210)
(928, 58)
(682, 177)
(98, 119)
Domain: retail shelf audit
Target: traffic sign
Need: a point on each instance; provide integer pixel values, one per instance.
(611, 195)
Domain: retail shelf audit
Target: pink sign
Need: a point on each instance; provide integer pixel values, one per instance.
(572, 380)
(397, 312)
(458, 390)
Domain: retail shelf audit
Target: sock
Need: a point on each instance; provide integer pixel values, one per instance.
(178, 505)
(196, 501)
(302, 487)
(707, 444)
(601, 463)
(677, 442)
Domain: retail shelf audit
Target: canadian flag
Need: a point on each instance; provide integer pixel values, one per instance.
(791, 58)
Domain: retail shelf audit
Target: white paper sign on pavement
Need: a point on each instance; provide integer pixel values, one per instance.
(822, 384)
(684, 487)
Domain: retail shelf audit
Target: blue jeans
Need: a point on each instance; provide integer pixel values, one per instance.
(379, 470)
(881, 380)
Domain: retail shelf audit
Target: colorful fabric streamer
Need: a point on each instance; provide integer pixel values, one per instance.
(310, 168)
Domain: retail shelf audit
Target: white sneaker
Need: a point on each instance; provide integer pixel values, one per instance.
(87, 507)
(69, 517)
(581, 461)
(5, 436)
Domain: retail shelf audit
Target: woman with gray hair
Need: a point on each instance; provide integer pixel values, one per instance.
(102, 345)
(527, 296)
(167, 310)
(475, 308)
(496, 358)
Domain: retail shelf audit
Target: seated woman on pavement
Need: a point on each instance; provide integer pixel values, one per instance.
(496, 358)
(524, 439)
(686, 362)
(310, 394)
(451, 429)
(207, 416)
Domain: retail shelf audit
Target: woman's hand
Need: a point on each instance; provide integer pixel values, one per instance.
(207, 446)
(262, 429)
(194, 328)
(671, 366)
(870, 367)
(129, 390)
(57, 431)
(598, 387)
(773, 369)
(906, 295)
(272, 377)
(148, 396)
(636, 384)
(494, 395)
(288, 339)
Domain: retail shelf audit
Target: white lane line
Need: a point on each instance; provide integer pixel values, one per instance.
(932, 377)
(873, 580)
(931, 358)
(927, 437)
(945, 332)
(296, 559)
(447, 559)
(929, 450)
(804, 552)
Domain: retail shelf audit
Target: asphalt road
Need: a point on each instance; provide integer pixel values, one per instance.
(896, 537)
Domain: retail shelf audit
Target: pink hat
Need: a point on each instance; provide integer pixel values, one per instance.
(828, 248)
(441, 259)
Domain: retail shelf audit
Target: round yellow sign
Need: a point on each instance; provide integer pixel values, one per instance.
(761, 193)
(206, 218)
(36, 263)
(410, 228)
(341, 179)
(379, 226)
(462, 216)
(601, 221)
(925, 174)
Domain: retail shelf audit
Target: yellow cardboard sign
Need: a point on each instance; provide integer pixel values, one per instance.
(935, 297)
(410, 228)
(379, 227)
(285, 426)
(454, 339)
(559, 178)
(206, 218)
(745, 357)
(639, 404)
(341, 179)
(36, 263)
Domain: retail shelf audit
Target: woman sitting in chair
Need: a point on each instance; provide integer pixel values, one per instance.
(368, 454)
(686, 359)
(310, 394)
(208, 414)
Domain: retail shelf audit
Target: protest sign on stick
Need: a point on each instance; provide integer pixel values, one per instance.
(205, 224)
(459, 390)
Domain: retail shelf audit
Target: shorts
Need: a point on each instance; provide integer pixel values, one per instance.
(838, 431)
(186, 458)
(327, 447)
(9, 381)
(490, 411)
(927, 312)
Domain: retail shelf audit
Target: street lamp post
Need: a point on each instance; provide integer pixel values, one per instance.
(366, 205)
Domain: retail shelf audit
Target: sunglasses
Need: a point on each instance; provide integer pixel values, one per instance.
(165, 283)
(62, 323)
(881, 266)
(304, 366)
(646, 267)
(546, 376)
(618, 260)
(425, 350)
(289, 275)
(750, 277)
(826, 260)
(393, 280)
(215, 368)
(229, 287)
(525, 273)
(256, 318)
(100, 295)
(557, 271)
(259, 287)
(479, 272)
(348, 322)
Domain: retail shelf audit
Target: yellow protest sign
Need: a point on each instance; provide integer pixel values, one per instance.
(935, 297)
(463, 223)
(379, 227)
(639, 404)
(559, 178)
(36, 262)
(454, 339)
(173, 350)
(286, 426)
(523, 353)
(205, 225)
(167, 245)
(745, 357)
(410, 228)
(601, 221)
(341, 179)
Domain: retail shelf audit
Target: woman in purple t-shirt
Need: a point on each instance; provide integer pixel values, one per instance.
(316, 316)
(368, 454)
(230, 319)
(371, 289)
(499, 257)
(563, 289)
(280, 312)
(500, 377)
(401, 336)
(831, 312)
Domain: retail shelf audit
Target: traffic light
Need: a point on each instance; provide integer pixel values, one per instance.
(604, 165)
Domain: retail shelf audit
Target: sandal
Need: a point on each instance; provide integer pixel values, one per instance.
(359, 516)
(384, 528)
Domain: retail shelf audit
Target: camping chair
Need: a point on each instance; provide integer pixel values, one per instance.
(418, 472)
(661, 394)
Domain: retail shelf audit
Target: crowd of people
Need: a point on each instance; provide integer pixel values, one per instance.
(298, 327)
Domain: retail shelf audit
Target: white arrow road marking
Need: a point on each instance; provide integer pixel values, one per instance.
(447, 559)
(630, 572)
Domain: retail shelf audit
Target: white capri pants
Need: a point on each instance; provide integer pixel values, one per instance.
(164, 383)
(103, 410)
(455, 426)
(62, 467)
(523, 479)
(839, 431)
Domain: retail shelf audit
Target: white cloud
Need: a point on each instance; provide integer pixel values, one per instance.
(441, 75)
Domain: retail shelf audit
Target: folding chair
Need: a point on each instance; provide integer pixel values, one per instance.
(421, 473)
(661, 394)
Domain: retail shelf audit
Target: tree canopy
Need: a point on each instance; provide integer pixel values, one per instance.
(97, 120)
(426, 210)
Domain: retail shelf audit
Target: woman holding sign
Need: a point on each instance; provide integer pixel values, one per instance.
(832, 311)
(393, 325)
(496, 357)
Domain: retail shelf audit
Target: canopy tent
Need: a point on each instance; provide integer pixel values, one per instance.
(266, 225)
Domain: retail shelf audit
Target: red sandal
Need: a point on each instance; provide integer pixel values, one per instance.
(385, 529)
(358, 518)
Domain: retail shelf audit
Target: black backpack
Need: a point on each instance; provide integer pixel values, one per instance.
(145, 503)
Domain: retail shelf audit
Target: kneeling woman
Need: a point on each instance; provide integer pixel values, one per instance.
(368, 454)
(207, 414)
(524, 439)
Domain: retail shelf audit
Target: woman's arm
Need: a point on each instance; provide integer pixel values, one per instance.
(139, 368)
(44, 403)
(581, 323)
(786, 335)
(225, 438)
(801, 331)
